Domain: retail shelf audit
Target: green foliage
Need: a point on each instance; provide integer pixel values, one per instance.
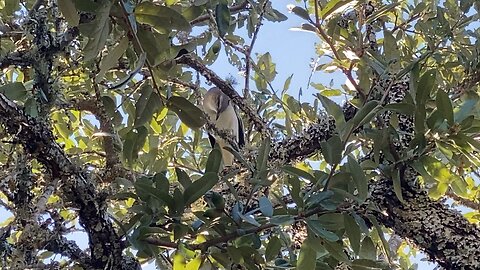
(122, 70)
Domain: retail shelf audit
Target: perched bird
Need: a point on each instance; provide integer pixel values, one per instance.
(219, 109)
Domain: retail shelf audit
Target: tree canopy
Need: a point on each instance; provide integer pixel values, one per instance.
(103, 132)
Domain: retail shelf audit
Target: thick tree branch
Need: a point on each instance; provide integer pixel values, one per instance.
(78, 189)
(441, 232)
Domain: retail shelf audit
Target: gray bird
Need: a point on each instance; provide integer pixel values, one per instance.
(219, 109)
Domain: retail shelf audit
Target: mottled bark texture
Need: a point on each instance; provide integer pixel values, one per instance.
(444, 234)
(78, 188)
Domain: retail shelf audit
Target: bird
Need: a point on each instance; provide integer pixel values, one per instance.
(221, 112)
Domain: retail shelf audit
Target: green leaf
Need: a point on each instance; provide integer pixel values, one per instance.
(309, 27)
(162, 18)
(14, 91)
(381, 235)
(301, 12)
(336, 250)
(145, 188)
(262, 159)
(404, 108)
(425, 86)
(286, 85)
(320, 231)
(307, 257)
(148, 103)
(380, 12)
(265, 206)
(319, 197)
(97, 31)
(298, 172)
(368, 250)
(273, 248)
(199, 187)
(444, 106)
(274, 15)
(157, 46)
(364, 264)
(183, 178)
(213, 52)
(295, 190)
(397, 185)
(359, 178)
(133, 143)
(214, 161)
(68, 9)
(334, 110)
(332, 150)
(192, 12)
(332, 6)
(353, 232)
(467, 107)
(10, 6)
(111, 59)
(366, 113)
(282, 220)
(190, 114)
(222, 258)
(138, 66)
(390, 46)
(222, 17)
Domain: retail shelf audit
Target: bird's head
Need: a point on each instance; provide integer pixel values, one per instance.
(215, 101)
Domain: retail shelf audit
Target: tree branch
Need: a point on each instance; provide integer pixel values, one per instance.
(260, 124)
(78, 188)
(442, 233)
(465, 202)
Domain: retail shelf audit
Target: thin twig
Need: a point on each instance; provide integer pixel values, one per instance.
(142, 51)
(248, 51)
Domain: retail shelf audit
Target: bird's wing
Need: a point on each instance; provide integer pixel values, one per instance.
(211, 139)
(241, 133)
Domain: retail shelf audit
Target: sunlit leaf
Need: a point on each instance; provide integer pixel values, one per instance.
(162, 18)
(298, 172)
(331, 7)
